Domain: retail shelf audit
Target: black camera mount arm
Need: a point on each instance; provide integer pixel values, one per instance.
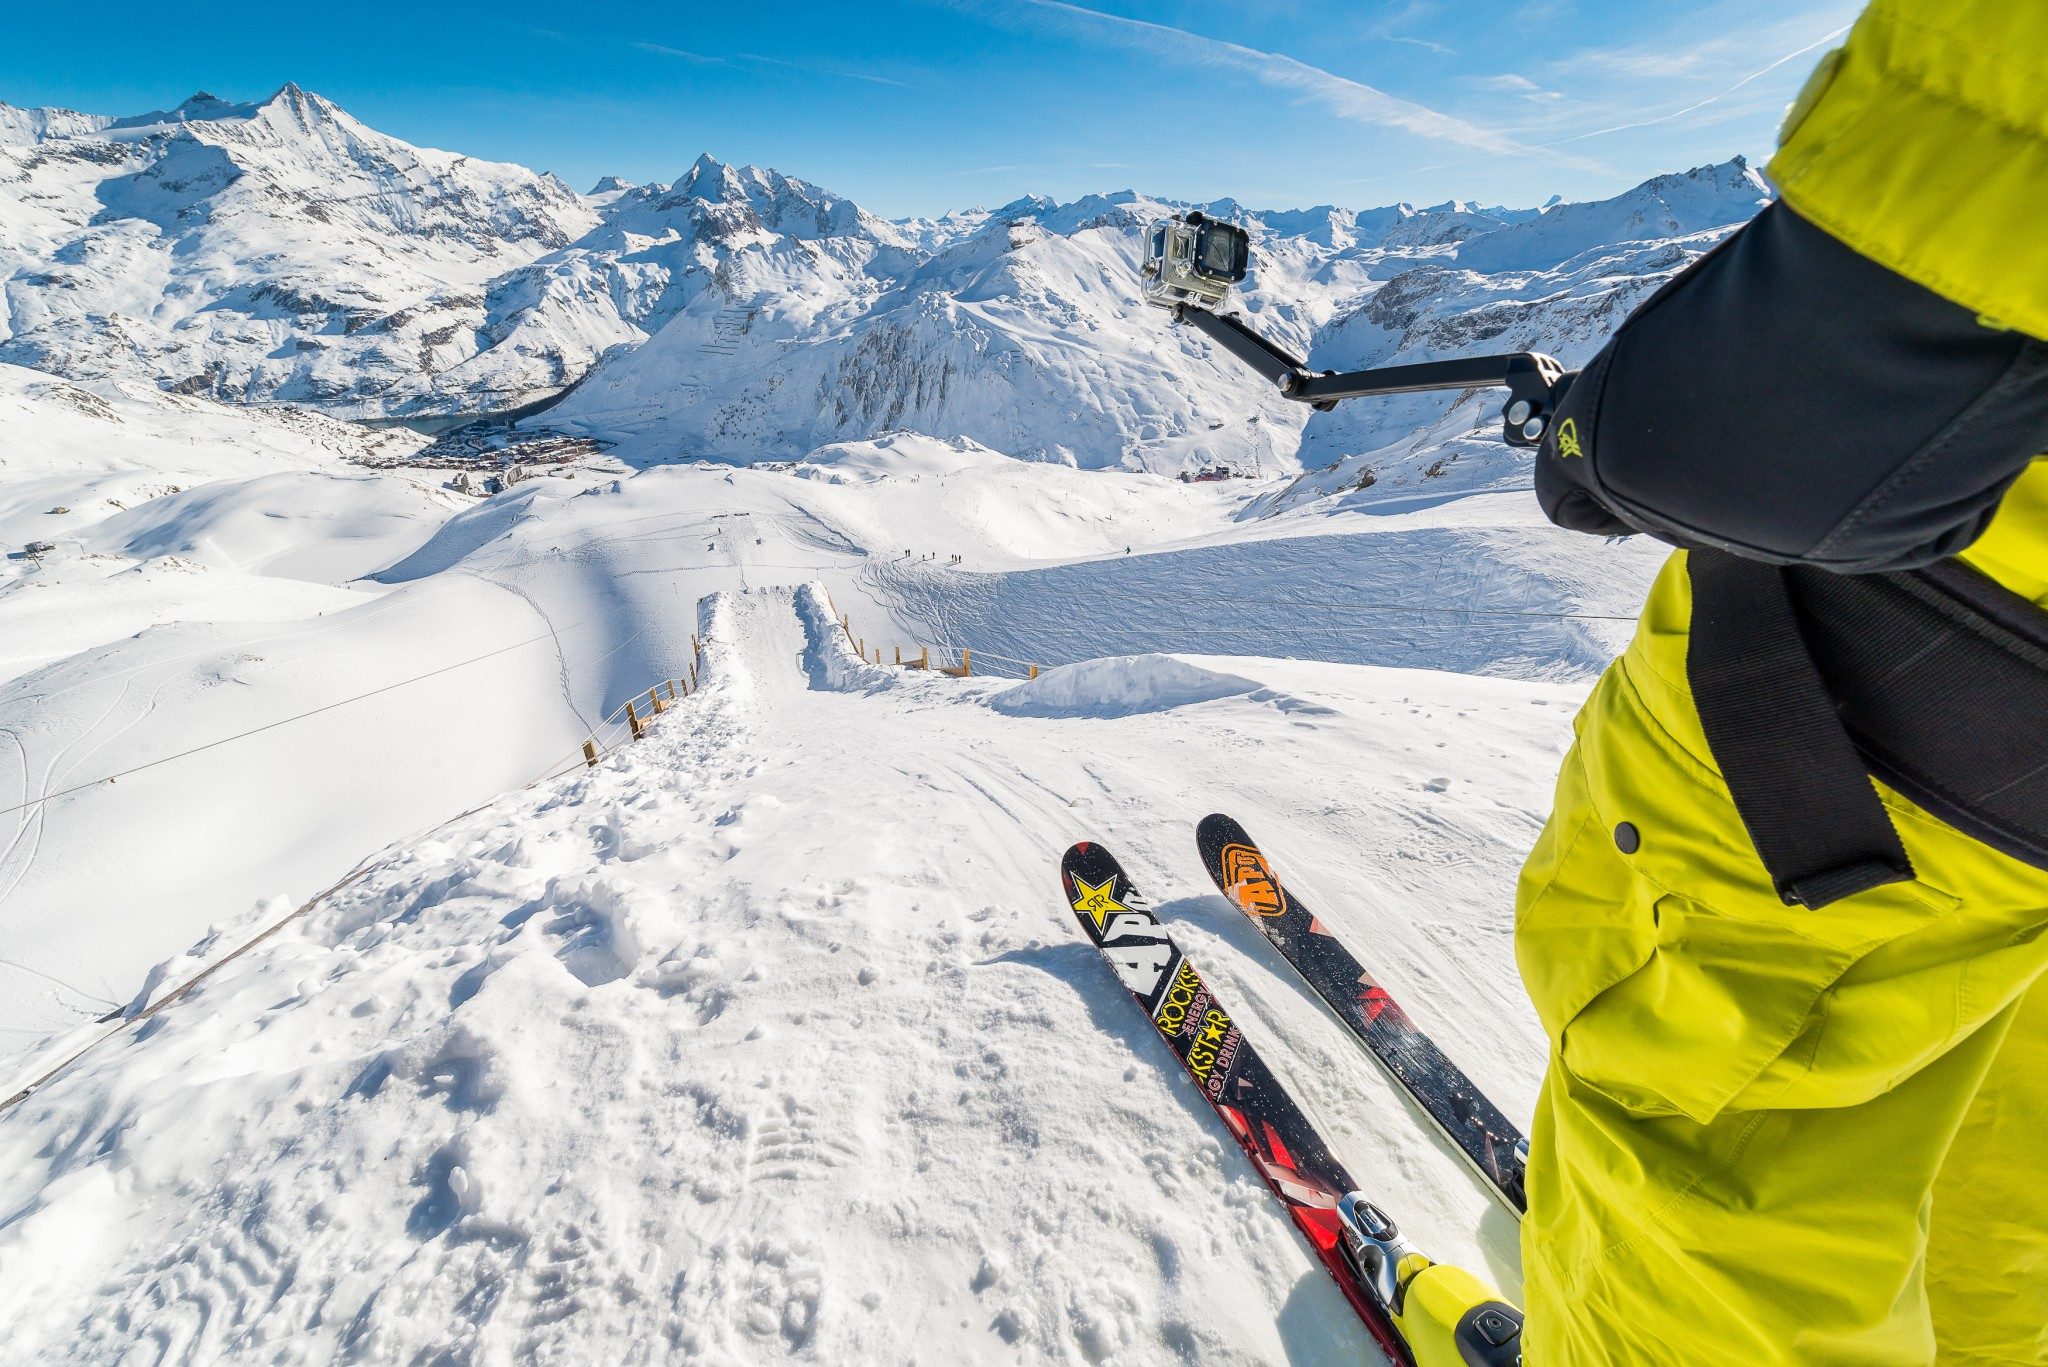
(1535, 382)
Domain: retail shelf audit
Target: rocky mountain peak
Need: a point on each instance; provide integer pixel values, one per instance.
(709, 180)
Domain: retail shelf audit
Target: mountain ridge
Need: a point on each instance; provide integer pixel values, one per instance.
(280, 251)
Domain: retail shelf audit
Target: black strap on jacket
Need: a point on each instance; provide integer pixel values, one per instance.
(1797, 780)
(1809, 682)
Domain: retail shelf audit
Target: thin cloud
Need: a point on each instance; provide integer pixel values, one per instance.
(664, 50)
(1415, 11)
(1352, 100)
(1692, 108)
(1640, 64)
(1821, 41)
(1438, 48)
(1512, 84)
(825, 70)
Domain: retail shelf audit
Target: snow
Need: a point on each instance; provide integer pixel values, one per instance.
(1479, 585)
(359, 1019)
(769, 1037)
(319, 526)
(200, 589)
(1119, 686)
(692, 1056)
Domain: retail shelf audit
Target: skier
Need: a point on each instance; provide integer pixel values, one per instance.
(1797, 1089)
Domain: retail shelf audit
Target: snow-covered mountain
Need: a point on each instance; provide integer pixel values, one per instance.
(281, 251)
(713, 245)
(278, 250)
(1023, 329)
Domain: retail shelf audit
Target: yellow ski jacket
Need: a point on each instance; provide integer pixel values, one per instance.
(1772, 1134)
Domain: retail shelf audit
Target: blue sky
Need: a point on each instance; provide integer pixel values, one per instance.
(917, 106)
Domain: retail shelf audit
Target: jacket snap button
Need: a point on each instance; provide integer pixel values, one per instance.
(1627, 838)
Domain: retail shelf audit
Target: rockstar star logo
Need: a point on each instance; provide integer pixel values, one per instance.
(1098, 900)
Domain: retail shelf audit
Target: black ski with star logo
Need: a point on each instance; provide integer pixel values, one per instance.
(1267, 1124)
(1483, 1136)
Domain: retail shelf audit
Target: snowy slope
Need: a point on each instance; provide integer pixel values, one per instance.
(199, 591)
(1026, 336)
(772, 1040)
(254, 592)
(1483, 587)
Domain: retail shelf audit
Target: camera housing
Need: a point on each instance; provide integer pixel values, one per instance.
(1194, 260)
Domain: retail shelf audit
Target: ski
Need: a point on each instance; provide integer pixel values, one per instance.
(1487, 1139)
(1267, 1124)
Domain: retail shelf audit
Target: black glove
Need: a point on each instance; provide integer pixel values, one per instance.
(1564, 477)
(1787, 399)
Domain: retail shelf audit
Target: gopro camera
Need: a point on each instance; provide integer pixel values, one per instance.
(1194, 260)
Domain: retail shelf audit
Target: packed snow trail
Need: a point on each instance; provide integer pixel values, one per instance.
(767, 1039)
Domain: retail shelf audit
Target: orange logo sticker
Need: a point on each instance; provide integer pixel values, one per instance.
(1249, 882)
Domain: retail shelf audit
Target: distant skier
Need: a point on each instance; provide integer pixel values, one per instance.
(1797, 1098)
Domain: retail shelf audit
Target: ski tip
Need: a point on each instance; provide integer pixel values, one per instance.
(1218, 824)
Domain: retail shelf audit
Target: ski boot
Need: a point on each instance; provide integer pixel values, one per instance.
(1447, 1315)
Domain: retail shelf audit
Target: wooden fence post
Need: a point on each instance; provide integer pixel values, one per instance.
(693, 677)
(654, 700)
(590, 753)
(633, 721)
(924, 657)
(1034, 671)
(671, 690)
(966, 663)
(899, 654)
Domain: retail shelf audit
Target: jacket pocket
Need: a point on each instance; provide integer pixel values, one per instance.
(1669, 976)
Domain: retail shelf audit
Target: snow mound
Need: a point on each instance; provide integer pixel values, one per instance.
(829, 657)
(313, 525)
(897, 455)
(1119, 686)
